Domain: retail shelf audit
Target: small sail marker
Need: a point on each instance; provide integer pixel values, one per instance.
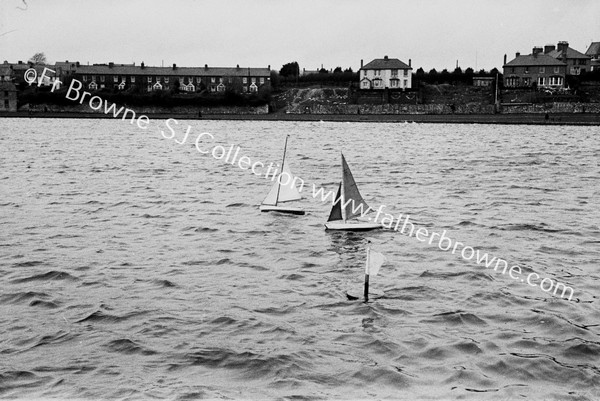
(374, 261)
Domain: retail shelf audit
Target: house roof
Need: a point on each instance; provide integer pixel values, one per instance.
(531, 60)
(571, 53)
(169, 71)
(386, 64)
(594, 49)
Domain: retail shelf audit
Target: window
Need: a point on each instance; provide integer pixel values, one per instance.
(93, 86)
(556, 81)
(556, 70)
(6, 105)
(102, 78)
(253, 80)
(262, 80)
(149, 88)
(244, 80)
(365, 84)
(405, 73)
(213, 80)
(394, 73)
(221, 87)
(84, 78)
(115, 79)
(253, 87)
(526, 70)
(377, 72)
(394, 83)
(166, 80)
(582, 61)
(542, 70)
(541, 81)
(132, 79)
(377, 83)
(149, 79)
(406, 83)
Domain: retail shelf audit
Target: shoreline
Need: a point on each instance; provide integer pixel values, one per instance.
(585, 119)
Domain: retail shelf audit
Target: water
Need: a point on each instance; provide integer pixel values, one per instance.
(133, 267)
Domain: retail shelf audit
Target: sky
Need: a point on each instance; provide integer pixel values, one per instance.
(257, 33)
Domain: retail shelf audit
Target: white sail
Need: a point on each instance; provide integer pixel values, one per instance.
(374, 262)
(283, 193)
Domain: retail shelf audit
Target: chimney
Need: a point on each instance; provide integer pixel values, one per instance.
(237, 67)
(410, 63)
(549, 48)
(385, 58)
(20, 62)
(111, 64)
(517, 54)
(536, 50)
(174, 66)
(562, 47)
(77, 63)
(269, 66)
(142, 65)
(206, 66)
(504, 60)
(361, 63)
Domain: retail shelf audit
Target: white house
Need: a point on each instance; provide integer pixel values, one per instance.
(386, 72)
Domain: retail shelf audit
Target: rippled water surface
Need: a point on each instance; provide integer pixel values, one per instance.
(133, 267)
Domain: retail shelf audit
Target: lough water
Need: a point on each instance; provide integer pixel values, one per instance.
(132, 267)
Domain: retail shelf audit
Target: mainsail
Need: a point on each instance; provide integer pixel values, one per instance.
(283, 193)
(352, 201)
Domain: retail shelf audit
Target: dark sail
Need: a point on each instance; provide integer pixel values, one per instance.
(336, 210)
(355, 205)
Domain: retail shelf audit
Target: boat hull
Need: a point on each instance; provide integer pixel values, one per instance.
(351, 226)
(281, 209)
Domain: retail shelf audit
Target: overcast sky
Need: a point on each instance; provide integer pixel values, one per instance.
(257, 33)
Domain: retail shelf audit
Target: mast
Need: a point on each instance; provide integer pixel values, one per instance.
(282, 162)
(367, 273)
(343, 188)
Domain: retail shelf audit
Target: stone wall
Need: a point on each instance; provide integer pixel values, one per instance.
(556, 107)
(178, 110)
(471, 108)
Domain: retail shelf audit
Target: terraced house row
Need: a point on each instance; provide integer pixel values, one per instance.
(549, 66)
(122, 77)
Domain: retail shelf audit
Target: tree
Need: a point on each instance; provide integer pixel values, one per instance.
(323, 71)
(337, 70)
(420, 71)
(290, 70)
(38, 58)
